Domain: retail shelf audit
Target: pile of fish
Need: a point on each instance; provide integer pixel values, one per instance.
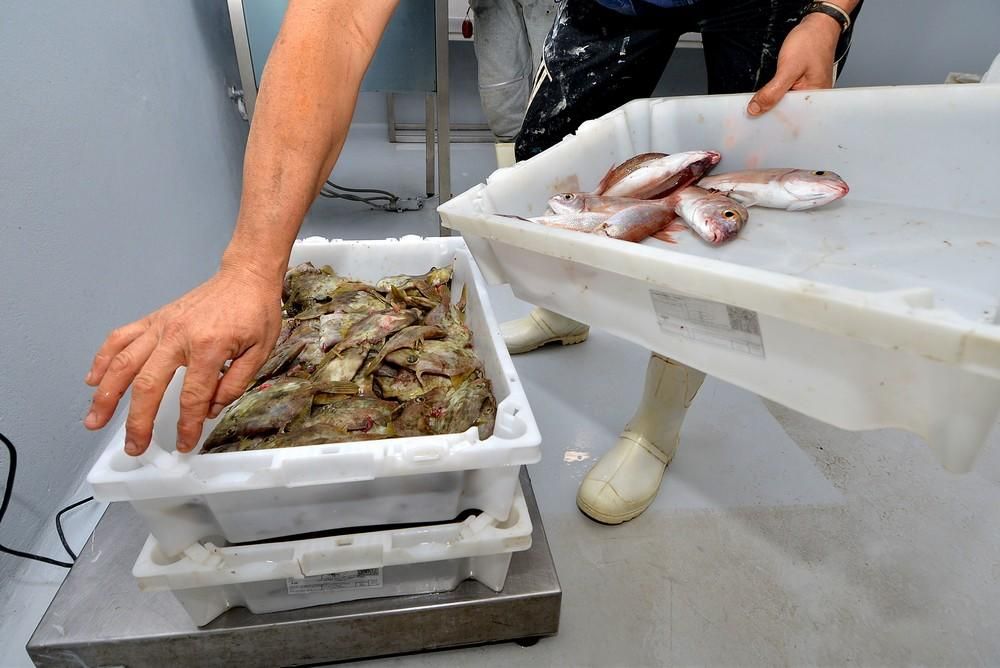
(647, 194)
(356, 361)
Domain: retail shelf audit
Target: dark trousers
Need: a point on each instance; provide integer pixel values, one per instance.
(594, 60)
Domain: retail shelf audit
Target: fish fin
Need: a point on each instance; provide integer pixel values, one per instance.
(463, 301)
(605, 181)
(665, 234)
(338, 387)
(397, 298)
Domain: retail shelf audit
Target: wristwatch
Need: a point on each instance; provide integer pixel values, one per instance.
(831, 10)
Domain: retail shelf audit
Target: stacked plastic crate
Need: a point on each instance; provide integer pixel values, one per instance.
(312, 525)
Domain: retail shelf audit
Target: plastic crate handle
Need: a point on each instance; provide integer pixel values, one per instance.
(433, 451)
(173, 461)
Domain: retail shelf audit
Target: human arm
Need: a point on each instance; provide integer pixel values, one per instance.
(307, 97)
(805, 60)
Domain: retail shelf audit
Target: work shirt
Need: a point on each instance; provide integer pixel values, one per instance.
(632, 7)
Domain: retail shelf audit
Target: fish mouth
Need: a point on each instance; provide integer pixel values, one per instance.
(717, 234)
(826, 193)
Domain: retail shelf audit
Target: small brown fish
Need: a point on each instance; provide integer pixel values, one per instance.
(375, 328)
(408, 337)
(263, 411)
(424, 415)
(436, 357)
(402, 384)
(347, 298)
(288, 325)
(317, 434)
(336, 368)
(452, 318)
(282, 358)
(436, 276)
(466, 405)
(306, 285)
(352, 414)
(333, 327)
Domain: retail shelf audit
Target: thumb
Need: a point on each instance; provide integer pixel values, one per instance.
(767, 97)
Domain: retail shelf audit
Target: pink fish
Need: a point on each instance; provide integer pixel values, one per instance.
(654, 178)
(789, 189)
(713, 216)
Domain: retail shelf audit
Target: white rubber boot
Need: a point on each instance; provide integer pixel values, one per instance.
(505, 154)
(625, 481)
(539, 328)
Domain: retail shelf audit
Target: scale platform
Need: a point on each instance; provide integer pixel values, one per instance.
(100, 618)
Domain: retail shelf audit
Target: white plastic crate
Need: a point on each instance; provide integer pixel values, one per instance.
(208, 580)
(880, 310)
(249, 496)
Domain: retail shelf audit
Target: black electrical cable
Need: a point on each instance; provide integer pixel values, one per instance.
(8, 490)
(354, 198)
(382, 199)
(59, 529)
(360, 190)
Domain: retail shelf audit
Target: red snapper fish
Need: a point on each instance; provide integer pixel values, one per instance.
(788, 189)
(649, 177)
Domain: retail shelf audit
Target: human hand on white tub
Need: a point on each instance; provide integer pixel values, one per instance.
(805, 61)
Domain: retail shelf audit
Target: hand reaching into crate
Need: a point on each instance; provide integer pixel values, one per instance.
(235, 316)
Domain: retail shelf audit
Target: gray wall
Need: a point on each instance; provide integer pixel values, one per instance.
(921, 41)
(120, 164)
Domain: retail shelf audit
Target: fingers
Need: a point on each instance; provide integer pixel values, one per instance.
(147, 392)
(236, 379)
(116, 376)
(115, 342)
(199, 388)
(767, 97)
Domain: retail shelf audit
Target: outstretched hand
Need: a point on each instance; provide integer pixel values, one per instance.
(805, 62)
(235, 315)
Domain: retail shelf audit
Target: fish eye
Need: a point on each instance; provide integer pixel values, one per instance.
(820, 173)
(411, 359)
(567, 197)
(729, 213)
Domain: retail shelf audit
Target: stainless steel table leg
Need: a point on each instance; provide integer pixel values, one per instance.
(443, 135)
(429, 140)
(390, 116)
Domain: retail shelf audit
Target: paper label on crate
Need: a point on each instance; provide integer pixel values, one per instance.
(359, 579)
(715, 323)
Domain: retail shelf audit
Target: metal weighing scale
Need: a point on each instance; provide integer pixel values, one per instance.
(100, 618)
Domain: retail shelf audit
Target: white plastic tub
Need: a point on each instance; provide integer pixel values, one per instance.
(880, 310)
(249, 496)
(208, 580)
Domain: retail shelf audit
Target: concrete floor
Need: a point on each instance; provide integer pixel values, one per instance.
(775, 540)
